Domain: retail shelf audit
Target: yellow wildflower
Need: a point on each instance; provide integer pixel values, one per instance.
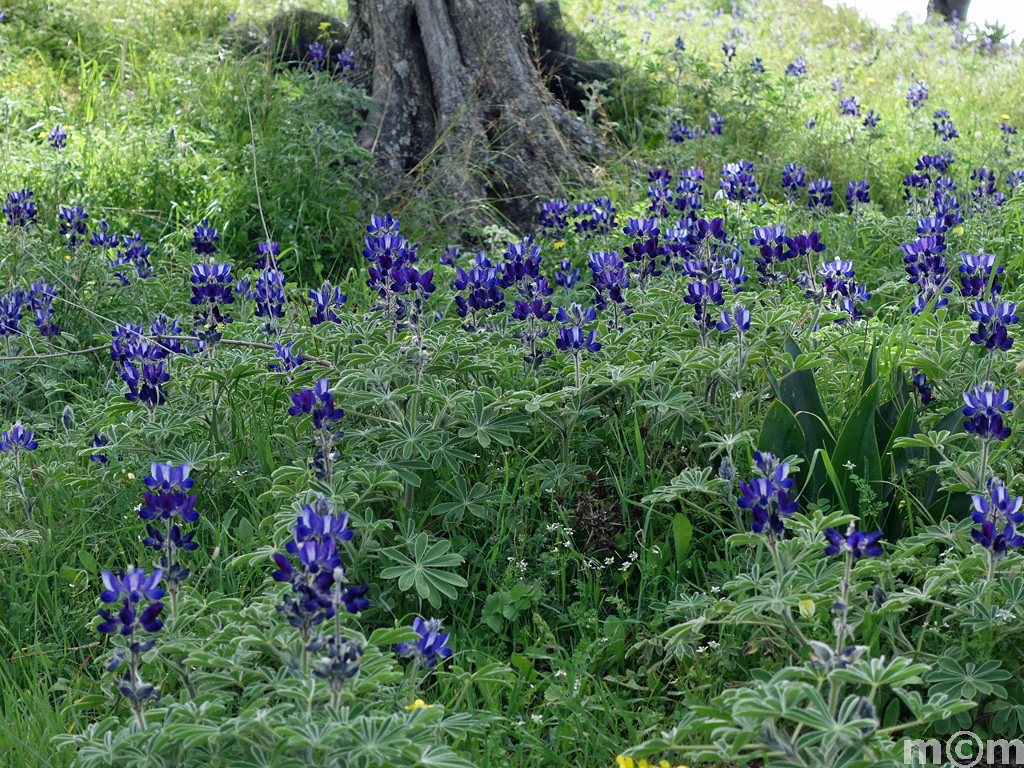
(807, 608)
(624, 762)
(1005, 117)
(671, 69)
(958, 230)
(870, 80)
(324, 26)
(419, 704)
(560, 244)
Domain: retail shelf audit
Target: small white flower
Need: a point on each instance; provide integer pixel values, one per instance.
(850, 465)
(715, 589)
(559, 673)
(537, 718)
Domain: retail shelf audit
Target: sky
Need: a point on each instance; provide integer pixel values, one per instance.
(1009, 12)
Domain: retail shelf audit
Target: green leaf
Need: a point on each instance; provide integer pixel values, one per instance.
(856, 450)
(426, 570)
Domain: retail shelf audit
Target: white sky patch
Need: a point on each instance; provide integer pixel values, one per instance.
(884, 12)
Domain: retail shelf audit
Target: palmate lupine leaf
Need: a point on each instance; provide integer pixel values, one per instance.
(426, 569)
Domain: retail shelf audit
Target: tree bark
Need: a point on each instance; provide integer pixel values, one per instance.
(950, 9)
(459, 107)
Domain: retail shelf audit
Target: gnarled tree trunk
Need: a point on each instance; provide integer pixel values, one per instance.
(949, 9)
(460, 107)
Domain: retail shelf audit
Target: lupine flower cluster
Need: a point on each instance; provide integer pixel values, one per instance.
(316, 575)
(797, 67)
(143, 360)
(917, 94)
(994, 321)
(73, 225)
(738, 183)
(943, 127)
(997, 515)
(554, 217)
(854, 544)
(985, 407)
(596, 217)
(926, 268)
(610, 279)
(481, 289)
(18, 439)
(534, 309)
(41, 296)
(134, 253)
(327, 303)
(572, 336)
(57, 137)
(167, 502)
(771, 243)
(20, 209)
(644, 254)
(212, 289)
(819, 195)
(139, 596)
(984, 192)
(767, 496)
(858, 193)
(319, 402)
(839, 290)
(431, 646)
(317, 56)
(268, 292)
(399, 285)
(793, 181)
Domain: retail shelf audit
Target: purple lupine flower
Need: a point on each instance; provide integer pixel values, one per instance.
(553, 217)
(819, 195)
(317, 56)
(872, 119)
(767, 496)
(100, 441)
(797, 67)
(41, 296)
(20, 209)
(204, 238)
(58, 137)
(431, 646)
(793, 181)
(855, 543)
(18, 439)
(984, 408)
(850, 105)
(998, 514)
(715, 124)
(327, 304)
(922, 386)
(857, 193)
(917, 94)
(993, 322)
(346, 62)
(979, 274)
(566, 276)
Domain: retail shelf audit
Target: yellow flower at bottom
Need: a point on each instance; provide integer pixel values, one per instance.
(624, 762)
(419, 704)
(560, 244)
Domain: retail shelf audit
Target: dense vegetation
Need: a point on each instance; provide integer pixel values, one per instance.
(717, 463)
